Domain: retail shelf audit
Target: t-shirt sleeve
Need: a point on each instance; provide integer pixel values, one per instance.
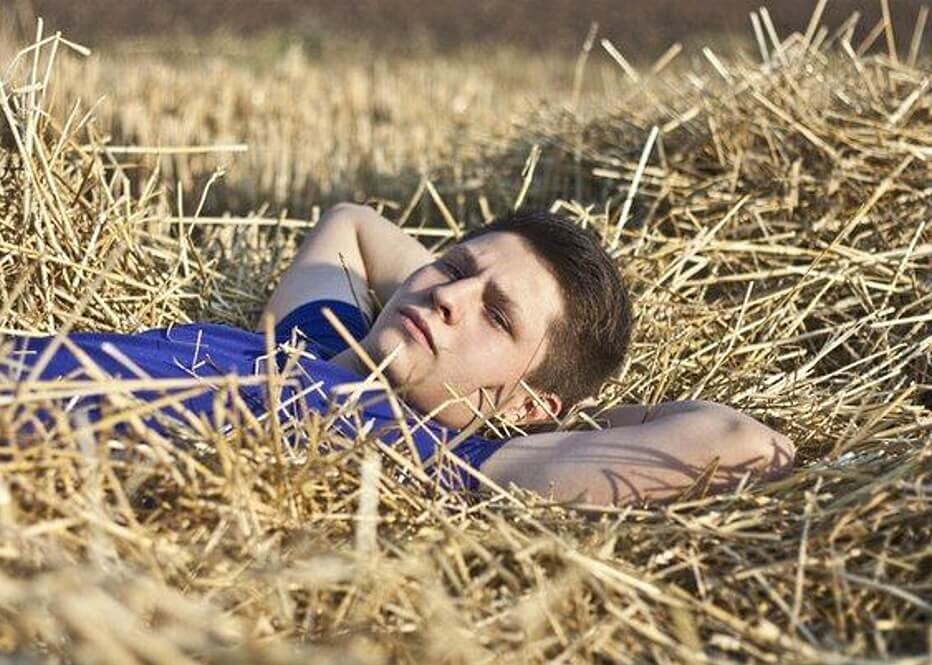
(472, 452)
(453, 470)
(475, 450)
(309, 320)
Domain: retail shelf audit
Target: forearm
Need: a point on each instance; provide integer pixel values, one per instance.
(353, 254)
(388, 253)
(656, 460)
(629, 415)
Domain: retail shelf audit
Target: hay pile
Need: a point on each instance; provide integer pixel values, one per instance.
(775, 232)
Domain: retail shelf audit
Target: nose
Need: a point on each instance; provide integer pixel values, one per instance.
(451, 299)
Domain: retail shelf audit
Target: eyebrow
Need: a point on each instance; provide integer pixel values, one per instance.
(493, 293)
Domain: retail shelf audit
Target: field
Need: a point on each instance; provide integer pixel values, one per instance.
(768, 199)
(642, 29)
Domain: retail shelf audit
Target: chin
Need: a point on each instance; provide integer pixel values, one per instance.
(402, 368)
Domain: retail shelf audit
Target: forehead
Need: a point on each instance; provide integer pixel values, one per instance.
(508, 260)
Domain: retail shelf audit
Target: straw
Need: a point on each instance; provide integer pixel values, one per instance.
(770, 219)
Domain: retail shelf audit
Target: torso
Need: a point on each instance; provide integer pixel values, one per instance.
(209, 351)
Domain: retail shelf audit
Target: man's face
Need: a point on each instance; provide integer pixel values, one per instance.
(485, 306)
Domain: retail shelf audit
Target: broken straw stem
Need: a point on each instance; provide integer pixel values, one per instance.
(635, 181)
(168, 149)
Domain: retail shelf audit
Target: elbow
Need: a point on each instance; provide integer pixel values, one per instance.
(340, 213)
(348, 206)
(351, 217)
(764, 451)
(746, 444)
(783, 453)
(350, 210)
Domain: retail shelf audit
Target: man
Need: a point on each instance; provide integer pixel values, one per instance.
(523, 318)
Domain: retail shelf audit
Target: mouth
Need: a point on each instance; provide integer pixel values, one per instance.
(418, 328)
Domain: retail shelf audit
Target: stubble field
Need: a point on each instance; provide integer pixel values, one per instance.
(769, 207)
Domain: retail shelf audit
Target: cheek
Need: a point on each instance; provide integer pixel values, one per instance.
(488, 361)
(419, 280)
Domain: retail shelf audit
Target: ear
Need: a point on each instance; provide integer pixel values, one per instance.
(540, 410)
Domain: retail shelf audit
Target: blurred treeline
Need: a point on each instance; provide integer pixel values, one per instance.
(640, 28)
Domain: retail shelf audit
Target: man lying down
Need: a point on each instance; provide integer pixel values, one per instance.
(521, 319)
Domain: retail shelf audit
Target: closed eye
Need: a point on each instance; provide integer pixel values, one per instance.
(497, 318)
(452, 270)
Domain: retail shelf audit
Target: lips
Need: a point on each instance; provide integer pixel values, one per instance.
(419, 322)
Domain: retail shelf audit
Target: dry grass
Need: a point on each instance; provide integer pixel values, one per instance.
(775, 231)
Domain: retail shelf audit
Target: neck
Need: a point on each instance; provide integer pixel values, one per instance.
(456, 416)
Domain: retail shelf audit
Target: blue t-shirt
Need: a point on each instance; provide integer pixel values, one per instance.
(207, 350)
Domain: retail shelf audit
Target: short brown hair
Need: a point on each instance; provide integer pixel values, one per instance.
(589, 344)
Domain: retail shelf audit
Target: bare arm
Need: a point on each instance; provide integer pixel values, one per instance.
(639, 414)
(351, 250)
(654, 460)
